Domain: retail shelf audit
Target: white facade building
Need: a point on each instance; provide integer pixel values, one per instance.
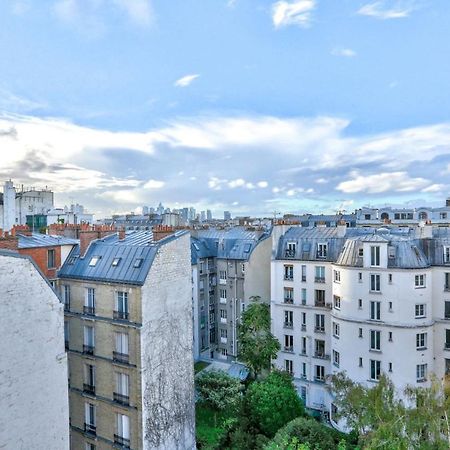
(363, 301)
(33, 381)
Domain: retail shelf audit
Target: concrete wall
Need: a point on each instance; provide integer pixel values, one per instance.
(167, 350)
(33, 370)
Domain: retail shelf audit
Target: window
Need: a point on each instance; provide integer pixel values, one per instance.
(390, 278)
(320, 323)
(121, 352)
(319, 297)
(122, 391)
(66, 334)
(390, 336)
(223, 293)
(375, 282)
(289, 366)
(390, 306)
(89, 301)
(303, 374)
(94, 260)
(336, 358)
(288, 319)
(223, 315)
(322, 250)
(337, 276)
(89, 379)
(360, 362)
(243, 267)
(303, 296)
(421, 372)
(375, 340)
(115, 262)
(138, 263)
(288, 343)
(89, 340)
(336, 330)
(89, 418)
(447, 281)
(336, 302)
(320, 274)
(375, 256)
(447, 310)
(65, 293)
(121, 311)
(303, 321)
(360, 332)
(51, 261)
(303, 273)
(303, 346)
(360, 303)
(419, 281)
(290, 250)
(375, 369)
(89, 446)
(420, 311)
(359, 277)
(361, 252)
(447, 339)
(421, 341)
(390, 367)
(224, 334)
(319, 348)
(319, 373)
(375, 310)
(288, 295)
(123, 429)
(446, 254)
(289, 273)
(223, 275)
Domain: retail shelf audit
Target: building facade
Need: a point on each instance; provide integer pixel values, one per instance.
(129, 340)
(355, 300)
(33, 381)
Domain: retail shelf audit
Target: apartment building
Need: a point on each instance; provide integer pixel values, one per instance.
(361, 300)
(34, 411)
(128, 325)
(229, 266)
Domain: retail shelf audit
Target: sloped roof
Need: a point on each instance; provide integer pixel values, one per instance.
(44, 240)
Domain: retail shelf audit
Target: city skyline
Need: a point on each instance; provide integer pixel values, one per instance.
(252, 107)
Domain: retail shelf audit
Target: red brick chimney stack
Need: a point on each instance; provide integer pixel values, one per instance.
(7, 241)
(162, 231)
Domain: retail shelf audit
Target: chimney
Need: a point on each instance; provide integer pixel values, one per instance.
(447, 202)
(341, 228)
(122, 234)
(8, 242)
(161, 231)
(21, 229)
(86, 237)
(425, 231)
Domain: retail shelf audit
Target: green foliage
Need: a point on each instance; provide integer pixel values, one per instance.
(273, 402)
(210, 427)
(199, 366)
(218, 391)
(384, 422)
(257, 345)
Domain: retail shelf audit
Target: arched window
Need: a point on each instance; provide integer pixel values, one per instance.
(423, 215)
(384, 216)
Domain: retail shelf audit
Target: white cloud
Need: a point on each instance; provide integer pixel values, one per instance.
(239, 182)
(292, 13)
(262, 184)
(10, 101)
(154, 184)
(186, 80)
(139, 11)
(434, 188)
(387, 9)
(346, 52)
(382, 182)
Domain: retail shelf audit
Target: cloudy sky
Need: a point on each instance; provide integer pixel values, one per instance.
(250, 105)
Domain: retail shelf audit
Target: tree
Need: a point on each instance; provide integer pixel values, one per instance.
(273, 402)
(218, 391)
(257, 345)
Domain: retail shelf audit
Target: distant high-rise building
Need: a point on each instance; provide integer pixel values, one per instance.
(202, 216)
(192, 213)
(208, 214)
(145, 210)
(226, 215)
(160, 209)
(184, 214)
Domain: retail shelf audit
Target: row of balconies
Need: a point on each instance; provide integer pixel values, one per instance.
(90, 311)
(91, 430)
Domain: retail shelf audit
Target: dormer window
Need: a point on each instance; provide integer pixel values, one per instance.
(290, 249)
(116, 262)
(247, 248)
(138, 263)
(446, 255)
(375, 256)
(322, 250)
(361, 252)
(94, 260)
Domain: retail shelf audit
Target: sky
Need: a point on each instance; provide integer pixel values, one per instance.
(253, 106)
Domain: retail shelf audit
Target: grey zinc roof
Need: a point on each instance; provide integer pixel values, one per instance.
(136, 245)
(234, 243)
(44, 240)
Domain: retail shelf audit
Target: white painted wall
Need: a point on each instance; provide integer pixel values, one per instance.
(34, 411)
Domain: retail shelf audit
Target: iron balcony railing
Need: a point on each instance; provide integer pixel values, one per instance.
(88, 349)
(121, 315)
(89, 310)
(124, 442)
(89, 388)
(90, 428)
(121, 357)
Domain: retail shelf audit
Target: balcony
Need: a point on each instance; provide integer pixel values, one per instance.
(289, 253)
(222, 301)
(319, 304)
(122, 399)
(121, 357)
(222, 281)
(88, 349)
(124, 442)
(288, 325)
(288, 300)
(321, 355)
(89, 388)
(319, 329)
(288, 348)
(89, 310)
(223, 320)
(91, 429)
(319, 279)
(319, 379)
(223, 340)
(121, 315)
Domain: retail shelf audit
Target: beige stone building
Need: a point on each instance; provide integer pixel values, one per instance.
(128, 334)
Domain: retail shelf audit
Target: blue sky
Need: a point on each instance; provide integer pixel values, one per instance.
(253, 106)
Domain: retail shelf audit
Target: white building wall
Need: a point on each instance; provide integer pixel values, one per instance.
(9, 206)
(33, 369)
(166, 350)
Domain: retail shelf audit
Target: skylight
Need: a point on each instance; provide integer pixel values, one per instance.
(138, 263)
(94, 260)
(116, 262)
(247, 248)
